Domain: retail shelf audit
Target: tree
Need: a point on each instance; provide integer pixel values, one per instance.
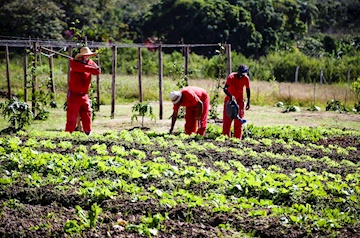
(199, 21)
(36, 18)
(309, 11)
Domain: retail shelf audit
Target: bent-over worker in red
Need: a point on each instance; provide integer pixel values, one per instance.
(196, 102)
(234, 88)
(78, 103)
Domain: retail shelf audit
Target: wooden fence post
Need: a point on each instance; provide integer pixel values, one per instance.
(113, 91)
(297, 73)
(68, 72)
(186, 60)
(51, 64)
(8, 70)
(160, 82)
(140, 74)
(25, 75)
(33, 82)
(98, 94)
(322, 78)
(228, 59)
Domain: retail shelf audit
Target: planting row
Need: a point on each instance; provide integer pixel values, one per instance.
(132, 183)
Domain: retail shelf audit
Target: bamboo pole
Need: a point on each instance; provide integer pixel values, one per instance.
(98, 85)
(297, 73)
(8, 71)
(140, 74)
(69, 55)
(186, 60)
(114, 48)
(25, 75)
(228, 59)
(160, 82)
(51, 65)
(33, 82)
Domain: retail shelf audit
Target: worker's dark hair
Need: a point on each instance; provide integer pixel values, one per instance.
(243, 69)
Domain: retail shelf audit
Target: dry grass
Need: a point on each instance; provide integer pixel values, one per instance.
(257, 115)
(264, 96)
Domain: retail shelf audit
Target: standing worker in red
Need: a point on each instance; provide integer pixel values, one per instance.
(196, 102)
(234, 88)
(81, 69)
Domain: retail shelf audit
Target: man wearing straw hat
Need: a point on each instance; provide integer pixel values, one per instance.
(78, 103)
(196, 102)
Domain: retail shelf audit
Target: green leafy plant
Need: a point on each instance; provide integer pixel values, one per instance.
(178, 72)
(355, 86)
(336, 105)
(42, 95)
(150, 225)
(18, 113)
(314, 108)
(214, 101)
(291, 108)
(142, 109)
(87, 220)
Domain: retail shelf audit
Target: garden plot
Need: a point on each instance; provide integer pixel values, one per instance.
(278, 182)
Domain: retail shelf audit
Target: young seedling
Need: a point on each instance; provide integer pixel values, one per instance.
(143, 110)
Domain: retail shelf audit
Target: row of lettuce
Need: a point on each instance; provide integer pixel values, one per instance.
(173, 171)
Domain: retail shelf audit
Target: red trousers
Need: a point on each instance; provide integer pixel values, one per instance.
(237, 123)
(191, 123)
(78, 104)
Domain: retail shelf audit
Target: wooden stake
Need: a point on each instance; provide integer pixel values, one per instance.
(51, 64)
(25, 75)
(140, 74)
(160, 82)
(114, 63)
(8, 71)
(98, 84)
(33, 82)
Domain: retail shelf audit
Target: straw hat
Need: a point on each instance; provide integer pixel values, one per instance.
(175, 96)
(83, 52)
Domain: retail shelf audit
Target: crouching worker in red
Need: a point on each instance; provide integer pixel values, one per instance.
(78, 103)
(234, 88)
(196, 102)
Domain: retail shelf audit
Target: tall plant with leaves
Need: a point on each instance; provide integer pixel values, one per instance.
(142, 109)
(18, 113)
(214, 101)
(355, 87)
(42, 96)
(178, 74)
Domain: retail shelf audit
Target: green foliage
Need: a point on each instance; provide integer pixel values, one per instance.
(355, 86)
(36, 18)
(215, 95)
(291, 108)
(262, 177)
(142, 109)
(149, 225)
(87, 220)
(18, 113)
(336, 105)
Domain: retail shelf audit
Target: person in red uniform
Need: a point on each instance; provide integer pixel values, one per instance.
(78, 103)
(234, 89)
(196, 102)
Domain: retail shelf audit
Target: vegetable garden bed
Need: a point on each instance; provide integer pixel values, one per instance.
(277, 182)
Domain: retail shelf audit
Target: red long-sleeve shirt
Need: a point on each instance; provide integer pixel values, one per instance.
(80, 75)
(236, 85)
(190, 96)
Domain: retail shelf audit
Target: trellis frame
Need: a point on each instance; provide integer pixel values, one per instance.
(36, 44)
